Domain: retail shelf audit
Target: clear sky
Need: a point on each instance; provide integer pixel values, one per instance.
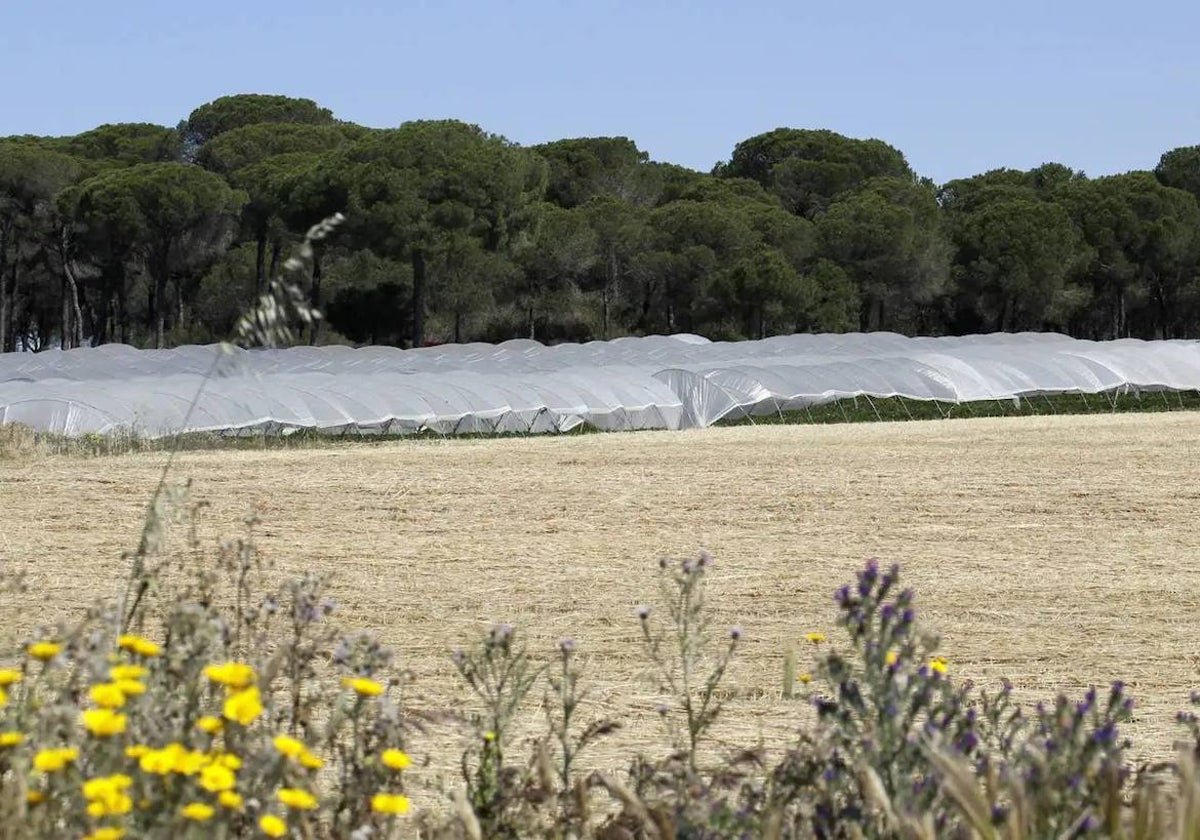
(960, 87)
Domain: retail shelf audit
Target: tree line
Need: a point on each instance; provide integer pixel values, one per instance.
(157, 236)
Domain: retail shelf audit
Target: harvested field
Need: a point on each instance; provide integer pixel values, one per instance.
(1057, 551)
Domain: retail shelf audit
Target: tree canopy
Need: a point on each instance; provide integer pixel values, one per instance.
(155, 235)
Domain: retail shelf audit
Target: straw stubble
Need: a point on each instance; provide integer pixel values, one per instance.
(1056, 551)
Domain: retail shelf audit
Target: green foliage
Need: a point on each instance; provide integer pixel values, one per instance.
(126, 144)
(247, 145)
(808, 169)
(887, 237)
(177, 216)
(586, 238)
(585, 168)
(230, 112)
(1180, 168)
(1015, 257)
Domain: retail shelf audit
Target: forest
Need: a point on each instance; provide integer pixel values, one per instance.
(158, 236)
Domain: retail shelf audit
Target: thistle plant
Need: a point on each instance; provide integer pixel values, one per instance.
(887, 694)
(563, 697)
(1190, 721)
(681, 652)
(500, 674)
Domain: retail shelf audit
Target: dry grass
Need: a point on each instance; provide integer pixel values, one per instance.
(1056, 551)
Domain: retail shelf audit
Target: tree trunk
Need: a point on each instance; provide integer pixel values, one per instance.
(123, 326)
(10, 312)
(457, 327)
(276, 250)
(260, 263)
(1006, 314)
(610, 283)
(160, 260)
(1119, 314)
(604, 317)
(418, 299)
(5, 302)
(102, 316)
(864, 314)
(160, 314)
(71, 309)
(64, 325)
(314, 329)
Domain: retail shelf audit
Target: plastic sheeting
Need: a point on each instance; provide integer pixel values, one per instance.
(656, 382)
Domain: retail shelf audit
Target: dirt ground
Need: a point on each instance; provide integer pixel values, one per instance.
(1059, 552)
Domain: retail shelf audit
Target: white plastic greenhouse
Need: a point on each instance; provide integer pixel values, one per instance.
(658, 382)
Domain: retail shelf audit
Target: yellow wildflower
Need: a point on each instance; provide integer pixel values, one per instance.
(389, 803)
(805, 678)
(214, 778)
(272, 826)
(127, 672)
(227, 760)
(396, 759)
(3, 698)
(103, 722)
(892, 657)
(139, 645)
(198, 811)
(173, 758)
(489, 736)
(11, 739)
(310, 761)
(297, 798)
(106, 795)
(244, 706)
(100, 787)
(288, 747)
(109, 832)
(235, 675)
(815, 638)
(8, 676)
(211, 725)
(136, 751)
(158, 762)
(44, 651)
(189, 763)
(35, 797)
(107, 696)
(363, 686)
(130, 688)
(230, 799)
(52, 760)
(938, 665)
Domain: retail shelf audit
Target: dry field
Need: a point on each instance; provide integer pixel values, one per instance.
(1059, 552)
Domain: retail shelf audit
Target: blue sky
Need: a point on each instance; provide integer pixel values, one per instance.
(959, 87)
